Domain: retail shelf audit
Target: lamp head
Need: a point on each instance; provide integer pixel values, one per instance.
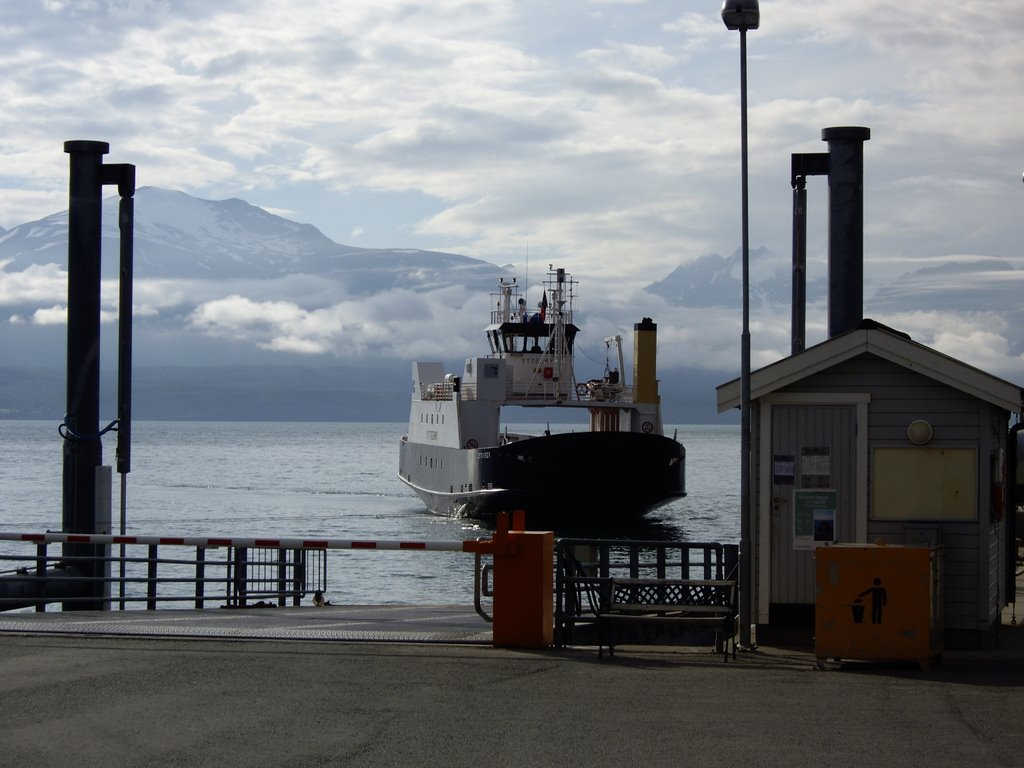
(741, 14)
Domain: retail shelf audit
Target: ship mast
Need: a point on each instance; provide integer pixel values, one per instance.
(558, 331)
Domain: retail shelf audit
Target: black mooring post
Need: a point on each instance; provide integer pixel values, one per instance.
(83, 451)
(845, 227)
(124, 175)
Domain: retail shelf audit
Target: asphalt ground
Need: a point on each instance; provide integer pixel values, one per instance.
(96, 698)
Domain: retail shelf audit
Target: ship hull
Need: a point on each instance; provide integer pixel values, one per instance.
(577, 480)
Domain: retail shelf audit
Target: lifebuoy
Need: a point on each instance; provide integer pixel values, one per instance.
(647, 426)
(472, 443)
(581, 391)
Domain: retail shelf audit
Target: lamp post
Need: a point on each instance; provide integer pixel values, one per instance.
(744, 15)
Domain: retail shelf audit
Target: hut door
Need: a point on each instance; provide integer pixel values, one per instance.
(813, 497)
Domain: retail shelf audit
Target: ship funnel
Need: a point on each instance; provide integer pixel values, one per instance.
(645, 362)
(844, 166)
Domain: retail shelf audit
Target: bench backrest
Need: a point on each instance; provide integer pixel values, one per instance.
(584, 565)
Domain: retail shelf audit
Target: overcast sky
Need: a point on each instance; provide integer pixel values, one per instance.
(602, 135)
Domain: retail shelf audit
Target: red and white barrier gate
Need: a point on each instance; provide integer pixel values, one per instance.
(221, 541)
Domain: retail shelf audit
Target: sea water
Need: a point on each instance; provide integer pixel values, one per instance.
(323, 480)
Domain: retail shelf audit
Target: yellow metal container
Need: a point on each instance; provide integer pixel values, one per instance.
(880, 603)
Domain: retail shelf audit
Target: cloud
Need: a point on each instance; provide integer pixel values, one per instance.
(396, 324)
(37, 283)
(981, 339)
(56, 315)
(601, 134)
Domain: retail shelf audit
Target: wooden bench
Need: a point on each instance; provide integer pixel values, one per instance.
(681, 602)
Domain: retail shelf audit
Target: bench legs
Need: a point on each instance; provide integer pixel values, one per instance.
(604, 638)
(721, 643)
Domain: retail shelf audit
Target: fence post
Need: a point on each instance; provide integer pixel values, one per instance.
(41, 574)
(151, 580)
(282, 577)
(241, 576)
(200, 575)
(298, 575)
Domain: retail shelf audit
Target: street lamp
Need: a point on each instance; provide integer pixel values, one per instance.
(744, 15)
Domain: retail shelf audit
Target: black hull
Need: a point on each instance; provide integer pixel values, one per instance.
(581, 481)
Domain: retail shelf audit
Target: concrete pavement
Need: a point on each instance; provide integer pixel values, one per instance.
(303, 687)
(110, 700)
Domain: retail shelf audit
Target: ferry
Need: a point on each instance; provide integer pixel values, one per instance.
(461, 460)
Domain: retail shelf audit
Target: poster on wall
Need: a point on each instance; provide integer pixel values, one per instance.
(815, 468)
(814, 518)
(783, 469)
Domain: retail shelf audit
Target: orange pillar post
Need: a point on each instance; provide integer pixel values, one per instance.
(523, 585)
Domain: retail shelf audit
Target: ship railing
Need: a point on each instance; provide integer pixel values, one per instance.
(622, 396)
(440, 390)
(600, 391)
(583, 566)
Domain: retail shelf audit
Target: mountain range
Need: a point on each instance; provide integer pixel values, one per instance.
(243, 314)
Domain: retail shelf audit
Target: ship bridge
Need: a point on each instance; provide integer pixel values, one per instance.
(529, 337)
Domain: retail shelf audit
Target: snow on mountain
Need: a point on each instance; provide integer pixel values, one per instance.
(182, 237)
(716, 281)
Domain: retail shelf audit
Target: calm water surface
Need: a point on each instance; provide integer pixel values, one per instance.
(335, 480)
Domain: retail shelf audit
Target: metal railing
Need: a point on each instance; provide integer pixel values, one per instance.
(96, 571)
(161, 573)
(581, 565)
